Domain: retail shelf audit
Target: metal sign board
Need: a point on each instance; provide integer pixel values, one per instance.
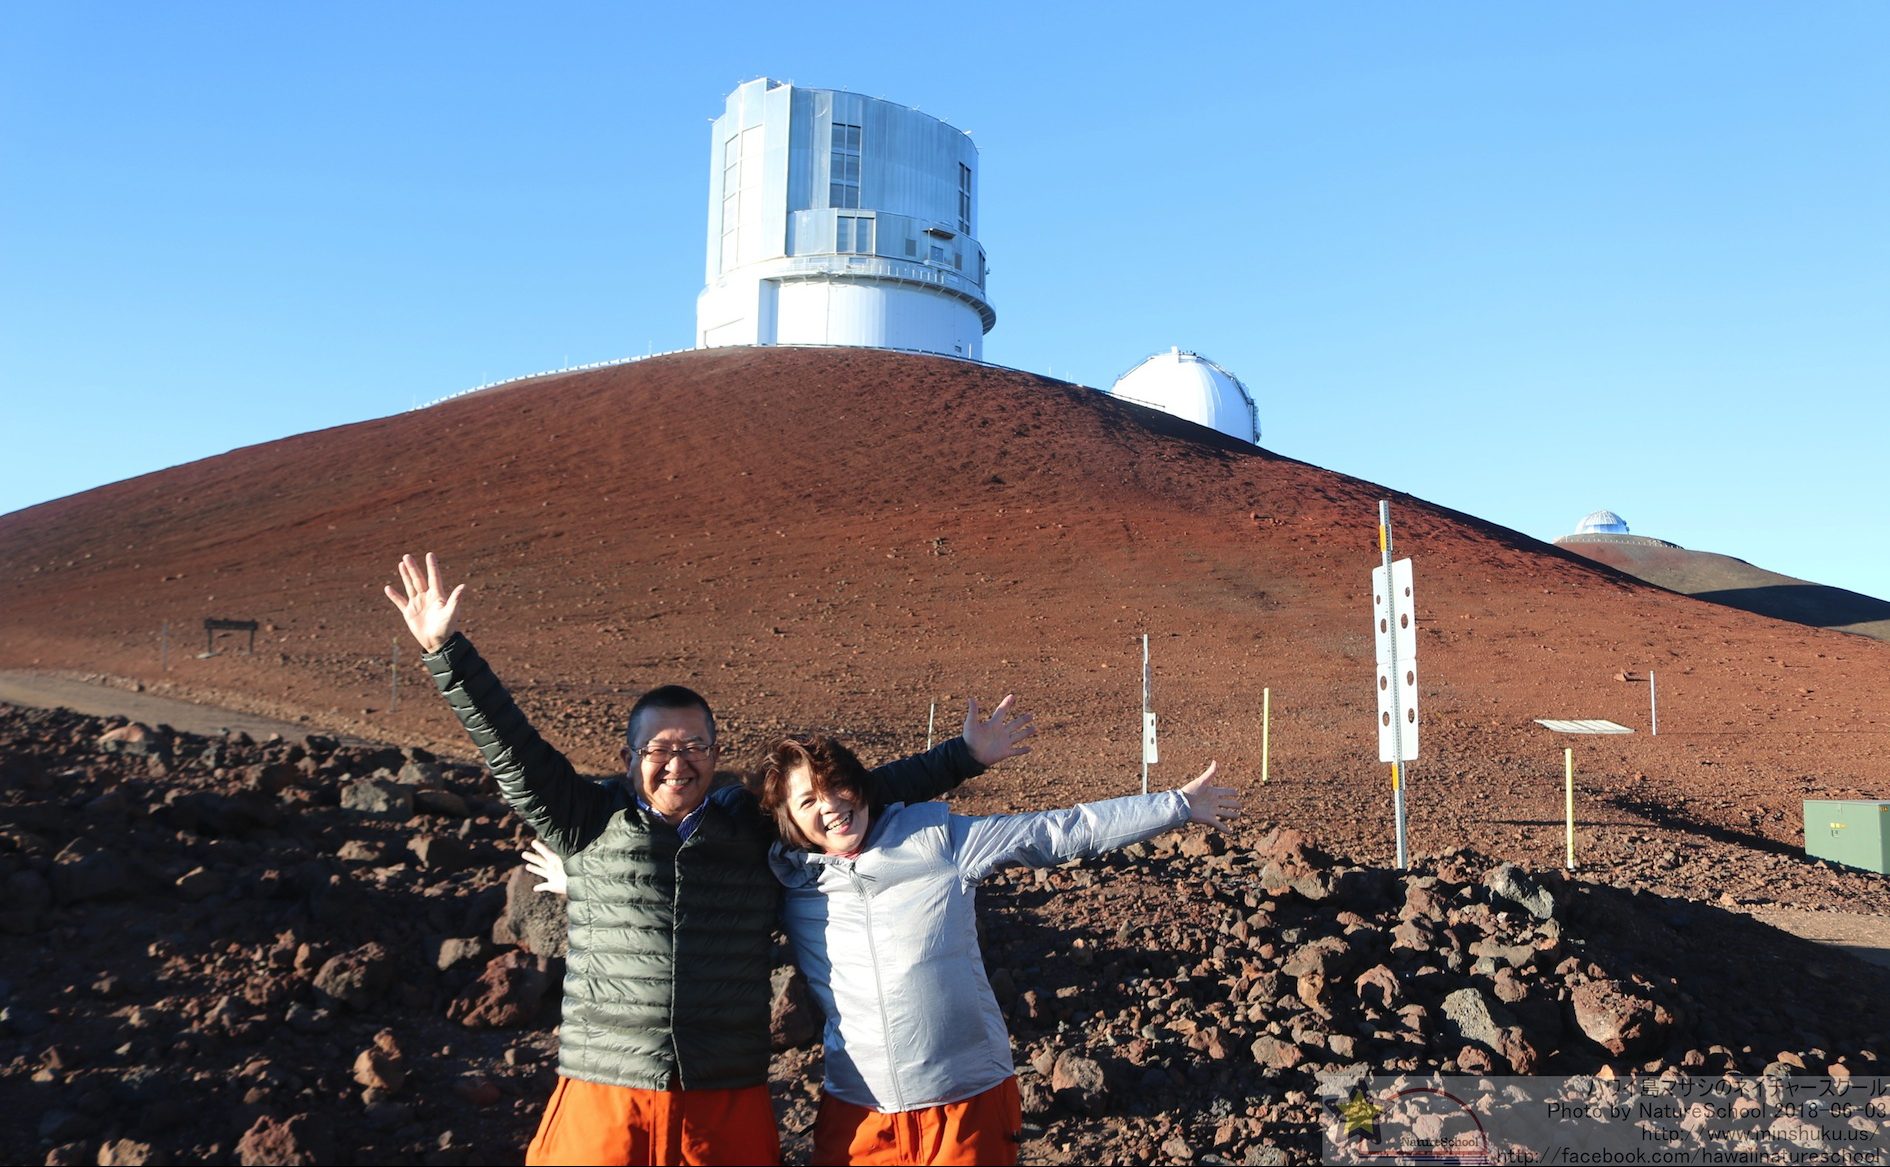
(1150, 754)
(1581, 725)
(1395, 625)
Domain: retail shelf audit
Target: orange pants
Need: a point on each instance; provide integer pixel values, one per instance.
(984, 1128)
(589, 1122)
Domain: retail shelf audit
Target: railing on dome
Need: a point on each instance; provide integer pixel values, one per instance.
(523, 377)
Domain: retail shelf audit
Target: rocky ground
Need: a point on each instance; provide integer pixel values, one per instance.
(223, 950)
(200, 949)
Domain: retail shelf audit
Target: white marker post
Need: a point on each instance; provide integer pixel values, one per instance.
(1393, 611)
(393, 700)
(930, 720)
(1151, 754)
(1653, 706)
(1266, 730)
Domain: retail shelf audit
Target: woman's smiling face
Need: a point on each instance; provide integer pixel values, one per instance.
(832, 821)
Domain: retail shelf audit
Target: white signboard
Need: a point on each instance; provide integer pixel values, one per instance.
(1149, 753)
(1395, 625)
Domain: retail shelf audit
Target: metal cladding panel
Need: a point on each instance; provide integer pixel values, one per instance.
(1855, 833)
(876, 316)
(911, 165)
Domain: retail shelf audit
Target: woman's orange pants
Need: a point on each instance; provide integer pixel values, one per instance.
(982, 1129)
(589, 1122)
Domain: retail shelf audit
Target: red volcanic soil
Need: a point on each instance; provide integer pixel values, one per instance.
(839, 537)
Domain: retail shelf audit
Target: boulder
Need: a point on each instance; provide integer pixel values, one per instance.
(356, 978)
(136, 739)
(299, 1141)
(534, 921)
(793, 1018)
(507, 993)
(1078, 1083)
(382, 1066)
(1508, 884)
(1618, 1019)
(379, 797)
(441, 852)
(82, 872)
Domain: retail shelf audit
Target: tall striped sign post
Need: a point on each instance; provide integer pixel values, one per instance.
(1150, 753)
(1395, 625)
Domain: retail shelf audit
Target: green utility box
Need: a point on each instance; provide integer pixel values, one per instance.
(1853, 832)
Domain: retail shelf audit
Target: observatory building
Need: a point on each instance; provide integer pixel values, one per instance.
(1602, 523)
(841, 219)
(1608, 527)
(1190, 386)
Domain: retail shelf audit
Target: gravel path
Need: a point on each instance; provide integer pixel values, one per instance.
(95, 700)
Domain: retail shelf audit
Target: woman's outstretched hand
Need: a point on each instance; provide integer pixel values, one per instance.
(999, 736)
(1212, 805)
(432, 613)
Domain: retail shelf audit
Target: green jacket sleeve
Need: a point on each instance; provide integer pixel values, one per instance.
(923, 777)
(565, 808)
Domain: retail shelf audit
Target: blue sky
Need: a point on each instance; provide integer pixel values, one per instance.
(1526, 260)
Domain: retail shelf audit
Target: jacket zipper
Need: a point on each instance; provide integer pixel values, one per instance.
(879, 991)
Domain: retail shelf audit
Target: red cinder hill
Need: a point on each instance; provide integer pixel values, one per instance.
(836, 538)
(1722, 579)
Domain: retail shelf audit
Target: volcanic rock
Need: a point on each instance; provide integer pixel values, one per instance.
(531, 920)
(356, 978)
(507, 993)
(1619, 1020)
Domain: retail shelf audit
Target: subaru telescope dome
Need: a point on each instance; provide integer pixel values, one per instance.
(1602, 523)
(1190, 386)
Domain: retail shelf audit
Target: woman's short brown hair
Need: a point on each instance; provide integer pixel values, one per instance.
(833, 768)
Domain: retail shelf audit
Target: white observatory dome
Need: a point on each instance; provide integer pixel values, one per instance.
(1190, 386)
(1602, 523)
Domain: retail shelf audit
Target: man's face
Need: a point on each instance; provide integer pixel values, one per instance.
(674, 762)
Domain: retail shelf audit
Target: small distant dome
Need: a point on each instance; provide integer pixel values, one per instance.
(1602, 523)
(1190, 386)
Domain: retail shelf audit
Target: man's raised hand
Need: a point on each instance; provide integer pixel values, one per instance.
(1211, 804)
(543, 862)
(432, 614)
(999, 736)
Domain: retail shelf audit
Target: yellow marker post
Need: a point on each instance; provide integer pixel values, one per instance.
(1266, 730)
(1568, 801)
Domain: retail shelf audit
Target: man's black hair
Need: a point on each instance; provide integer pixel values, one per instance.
(667, 697)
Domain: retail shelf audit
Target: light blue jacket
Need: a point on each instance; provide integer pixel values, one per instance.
(888, 939)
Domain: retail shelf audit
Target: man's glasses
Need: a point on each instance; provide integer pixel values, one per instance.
(659, 755)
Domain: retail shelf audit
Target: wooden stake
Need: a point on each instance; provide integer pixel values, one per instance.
(1266, 729)
(1568, 801)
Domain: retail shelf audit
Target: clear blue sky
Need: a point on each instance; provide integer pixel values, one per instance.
(1526, 260)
